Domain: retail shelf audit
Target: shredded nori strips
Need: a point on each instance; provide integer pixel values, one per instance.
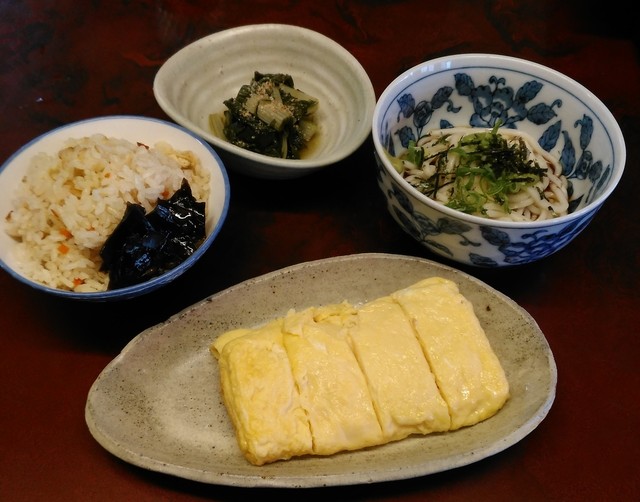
(144, 246)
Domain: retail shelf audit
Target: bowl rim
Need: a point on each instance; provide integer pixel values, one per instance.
(156, 282)
(467, 60)
(244, 30)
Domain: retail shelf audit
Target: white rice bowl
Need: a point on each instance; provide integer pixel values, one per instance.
(68, 189)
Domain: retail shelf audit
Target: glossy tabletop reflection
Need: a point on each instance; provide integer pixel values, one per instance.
(65, 61)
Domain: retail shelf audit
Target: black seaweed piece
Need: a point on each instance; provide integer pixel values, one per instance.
(140, 259)
(180, 216)
(145, 246)
(132, 223)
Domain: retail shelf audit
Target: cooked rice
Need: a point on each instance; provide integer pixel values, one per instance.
(68, 204)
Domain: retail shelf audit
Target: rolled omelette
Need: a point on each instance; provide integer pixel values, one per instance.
(339, 377)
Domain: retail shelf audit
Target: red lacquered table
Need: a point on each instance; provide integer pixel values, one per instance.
(64, 61)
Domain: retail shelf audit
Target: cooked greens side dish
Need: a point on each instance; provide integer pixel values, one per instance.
(268, 116)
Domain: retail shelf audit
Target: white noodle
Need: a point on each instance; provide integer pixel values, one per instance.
(545, 199)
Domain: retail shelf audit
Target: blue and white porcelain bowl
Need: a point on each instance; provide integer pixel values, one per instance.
(477, 90)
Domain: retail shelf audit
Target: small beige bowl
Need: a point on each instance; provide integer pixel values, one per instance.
(195, 82)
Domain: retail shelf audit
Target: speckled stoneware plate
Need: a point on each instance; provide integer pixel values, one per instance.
(157, 405)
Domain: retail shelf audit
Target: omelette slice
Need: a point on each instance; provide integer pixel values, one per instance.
(467, 371)
(403, 389)
(333, 389)
(261, 396)
(221, 341)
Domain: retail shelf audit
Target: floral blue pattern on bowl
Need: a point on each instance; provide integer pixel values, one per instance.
(479, 90)
(528, 247)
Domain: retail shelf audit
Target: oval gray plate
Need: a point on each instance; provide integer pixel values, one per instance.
(157, 405)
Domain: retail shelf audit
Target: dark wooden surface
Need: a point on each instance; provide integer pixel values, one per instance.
(64, 60)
